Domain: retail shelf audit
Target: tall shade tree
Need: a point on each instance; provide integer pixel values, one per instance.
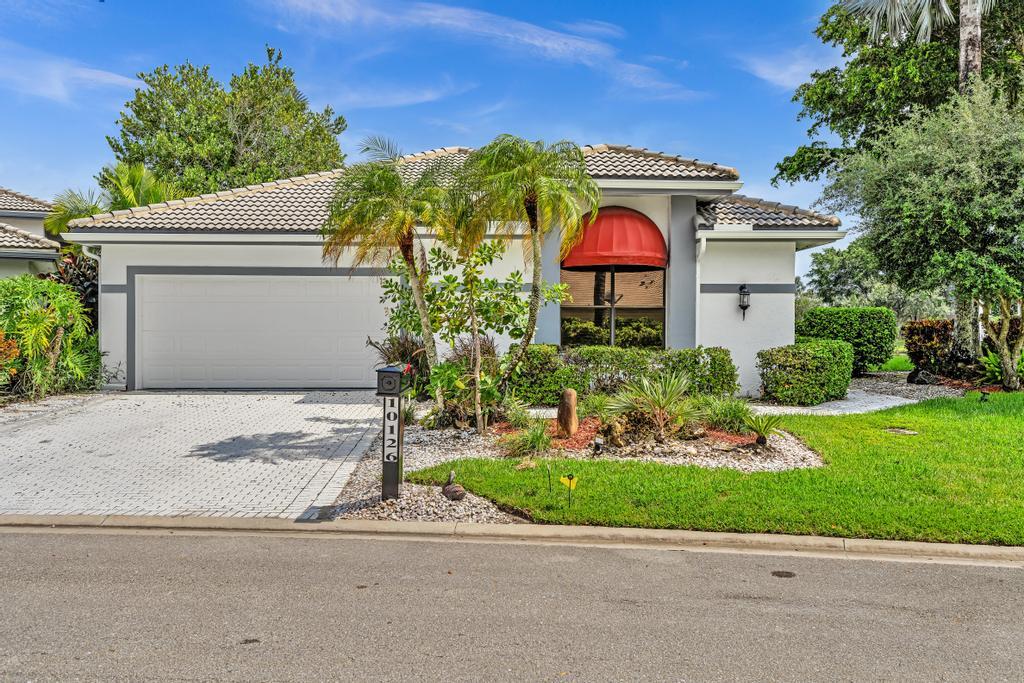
(542, 188)
(941, 197)
(189, 128)
(374, 214)
(894, 19)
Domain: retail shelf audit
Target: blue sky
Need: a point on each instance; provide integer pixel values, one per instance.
(711, 80)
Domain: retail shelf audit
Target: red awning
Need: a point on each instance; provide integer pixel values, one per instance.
(620, 237)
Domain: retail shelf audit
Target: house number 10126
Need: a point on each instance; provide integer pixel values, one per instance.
(391, 476)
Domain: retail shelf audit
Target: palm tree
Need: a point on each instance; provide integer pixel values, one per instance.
(539, 186)
(375, 212)
(124, 186)
(897, 18)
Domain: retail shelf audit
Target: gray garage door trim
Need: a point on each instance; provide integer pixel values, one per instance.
(134, 271)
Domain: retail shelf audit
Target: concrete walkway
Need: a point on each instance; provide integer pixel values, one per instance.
(856, 401)
(209, 454)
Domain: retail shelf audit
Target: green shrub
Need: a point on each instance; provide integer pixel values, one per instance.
(992, 368)
(581, 332)
(51, 328)
(639, 333)
(608, 367)
(928, 343)
(595, 405)
(726, 414)
(543, 374)
(515, 411)
(871, 330)
(710, 368)
(807, 373)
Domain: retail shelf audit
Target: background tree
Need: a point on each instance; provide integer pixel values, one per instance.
(188, 128)
(941, 197)
(838, 275)
(541, 187)
(881, 81)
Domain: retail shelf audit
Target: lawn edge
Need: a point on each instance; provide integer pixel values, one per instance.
(534, 533)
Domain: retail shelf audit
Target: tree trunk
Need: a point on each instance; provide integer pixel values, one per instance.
(416, 277)
(966, 346)
(970, 42)
(966, 341)
(535, 293)
(478, 412)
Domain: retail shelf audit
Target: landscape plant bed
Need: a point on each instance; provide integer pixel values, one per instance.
(948, 470)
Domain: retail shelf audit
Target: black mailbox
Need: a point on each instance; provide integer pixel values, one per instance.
(390, 380)
(390, 384)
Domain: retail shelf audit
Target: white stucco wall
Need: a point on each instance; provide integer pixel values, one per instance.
(117, 258)
(769, 320)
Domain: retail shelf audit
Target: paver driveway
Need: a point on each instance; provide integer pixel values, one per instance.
(198, 454)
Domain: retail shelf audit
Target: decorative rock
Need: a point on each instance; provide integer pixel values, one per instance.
(568, 421)
(451, 490)
(923, 377)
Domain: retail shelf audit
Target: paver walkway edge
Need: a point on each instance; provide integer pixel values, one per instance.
(535, 533)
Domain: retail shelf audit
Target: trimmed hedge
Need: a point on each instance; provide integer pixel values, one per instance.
(871, 330)
(604, 369)
(928, 343)
(543, 375)
(807, 373)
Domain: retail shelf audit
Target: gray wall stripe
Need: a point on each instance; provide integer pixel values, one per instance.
(134, 271)
(113, 289)
(755, 288)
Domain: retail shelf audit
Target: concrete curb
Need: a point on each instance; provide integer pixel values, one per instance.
(534, 533)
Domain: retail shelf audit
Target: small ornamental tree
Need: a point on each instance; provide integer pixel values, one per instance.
(942, 199)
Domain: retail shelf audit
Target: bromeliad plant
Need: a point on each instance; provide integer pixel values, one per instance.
(764, 426)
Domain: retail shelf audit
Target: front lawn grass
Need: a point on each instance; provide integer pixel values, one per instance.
(960, 479)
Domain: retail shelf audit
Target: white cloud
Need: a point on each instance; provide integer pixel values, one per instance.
(789, 68)
(595, 27)
(32, 72)
(381, 95)
(493, 28)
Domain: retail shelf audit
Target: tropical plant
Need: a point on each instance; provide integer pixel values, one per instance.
(532, 441)
(764, 426)
(545, 188)
(406, 350)
(124, 186)
(192, 130)
(992, 368)
(51, 328)
(9, 354)
(80, 273)
(515, 411)
(596, 405)
(374, 214)
(662, 399)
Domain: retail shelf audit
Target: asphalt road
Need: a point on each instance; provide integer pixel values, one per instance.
(222, 607)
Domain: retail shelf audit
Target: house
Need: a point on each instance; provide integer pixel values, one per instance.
(24, 247)
(228, 290)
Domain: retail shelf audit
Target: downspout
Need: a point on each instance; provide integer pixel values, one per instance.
(703, 246)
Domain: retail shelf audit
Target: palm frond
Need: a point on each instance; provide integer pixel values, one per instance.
(380, 148)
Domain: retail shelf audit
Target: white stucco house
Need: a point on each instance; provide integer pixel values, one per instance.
(229, 290)
(24, 247)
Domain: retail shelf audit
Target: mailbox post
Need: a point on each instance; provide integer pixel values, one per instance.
(390, 385)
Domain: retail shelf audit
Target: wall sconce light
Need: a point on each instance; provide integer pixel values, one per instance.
(744, 300)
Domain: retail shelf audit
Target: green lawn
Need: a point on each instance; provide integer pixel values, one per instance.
(960, 479)
(898, 363)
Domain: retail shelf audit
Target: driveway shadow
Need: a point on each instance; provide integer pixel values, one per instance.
(278, 447)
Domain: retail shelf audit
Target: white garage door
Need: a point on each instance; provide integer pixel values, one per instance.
(256, 332)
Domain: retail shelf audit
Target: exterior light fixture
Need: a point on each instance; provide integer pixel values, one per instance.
(744, 300)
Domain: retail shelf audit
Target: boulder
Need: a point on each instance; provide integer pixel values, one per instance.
(568, 421)
(923, 377)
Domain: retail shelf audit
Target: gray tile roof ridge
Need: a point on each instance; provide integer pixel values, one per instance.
(643, 151)
(44, 205)
(778, 206)
(42, 242)
(208, 197)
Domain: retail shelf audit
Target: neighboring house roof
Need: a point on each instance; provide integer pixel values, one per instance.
(297, 205)
(761, 214)
(16, 239)
(16, 201)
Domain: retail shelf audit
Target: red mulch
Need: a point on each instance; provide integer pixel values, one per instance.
(578, 441)
(969, 385)
(501, 428)
(730, 438)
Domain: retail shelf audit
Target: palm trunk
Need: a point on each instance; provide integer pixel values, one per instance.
(966, 341)
(535, 289)
(478, 412)
(416, 283)
(970, 42)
